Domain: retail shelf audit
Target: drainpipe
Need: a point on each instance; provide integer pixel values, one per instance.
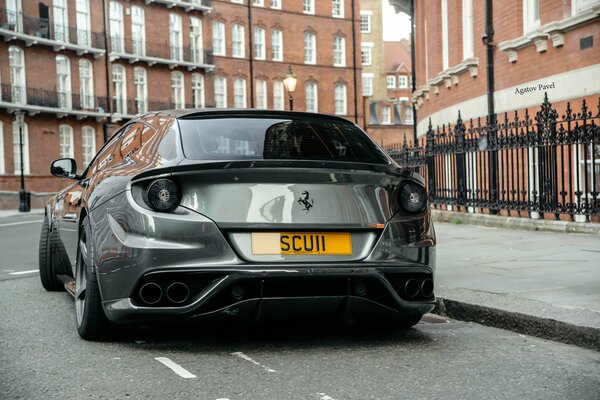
(413, 68)
(106, 69)
(251, 53)
(488, 40)
(354, 67)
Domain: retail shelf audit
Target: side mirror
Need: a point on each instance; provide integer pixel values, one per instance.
(64, 168)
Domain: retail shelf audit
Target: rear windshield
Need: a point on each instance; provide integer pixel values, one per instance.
(275, 138)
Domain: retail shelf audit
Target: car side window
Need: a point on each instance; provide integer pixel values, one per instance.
(106, 155)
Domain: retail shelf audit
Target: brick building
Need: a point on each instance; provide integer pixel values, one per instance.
(78, 69)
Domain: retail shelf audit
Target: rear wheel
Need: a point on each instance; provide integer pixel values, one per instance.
(50, 260)
(92, 323)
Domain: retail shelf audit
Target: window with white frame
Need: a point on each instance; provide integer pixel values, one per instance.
(82, 9)
(408, 114)
(2, 170)
(531, 15)
(402, 82)
(65, 140)
(340, 99)
(467, 28)
(60, 14)
(259, 43)
(218, 38)
(238, 47)
(220, 92)
(115, 15)
(238, 1)
(63, 82)
(278, 95)
(175, 37)
(14, 15)
(177, 93)
(445, 61)
(140, 83)
(261, 94)
(17, 148)
(196, 46)
(365, 21)
(337, 8)
(276, 4)
(367, 84)
(138, 31)
(339, 51)
(119, 89)
(16, 63)
(308, 6)
(239, 93)
(277, 45)
(589, 170)
(86, 83)
(310, 48)
(88, 145)
(198, 90)
(366, 50)
(391, 82)
(386, 115)
(258, 3)
(312, 104)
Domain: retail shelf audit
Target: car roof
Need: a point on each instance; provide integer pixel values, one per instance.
(208, 112)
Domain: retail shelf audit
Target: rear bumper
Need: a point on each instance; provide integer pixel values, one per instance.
(252, 293)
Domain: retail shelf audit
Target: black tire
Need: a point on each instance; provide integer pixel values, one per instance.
(91, 320)
(50, 260)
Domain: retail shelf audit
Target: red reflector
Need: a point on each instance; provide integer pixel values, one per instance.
(377, 226)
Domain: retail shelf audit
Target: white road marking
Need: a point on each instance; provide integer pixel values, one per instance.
(31, 271)
(21, 223)
(245, 357)
(178, 369)
(325, 397)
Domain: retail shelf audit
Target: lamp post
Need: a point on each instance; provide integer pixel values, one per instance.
(290, 85)
(23, 206)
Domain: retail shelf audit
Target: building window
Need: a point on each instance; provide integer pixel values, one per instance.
(277, 44)
(261, 94)
(391, 82)
(219, 38)
(198, 90)
(531, 15)
(278, 95)
(17, 149)
(337, 8)
(65, 137)
(138, 31)
(140, 82)
(177, 94)
(340, 99)
(115, 15)
(238, 47)
(220, 92)
(2, 170)
(86, 84)
(403, 82)
(365, 21)
(61, 20)
(238, 1)
(339, 51)
(16, 62)
(239, 93)
(367, 84)
(276, 4)
(82, 8)
(88, 145)
(445, 62)
(176, 37)
(14, 15)
(408, 114)
(312, 104)
(196, 45)
(63, 82)
(308, 6)
(386, 115)
(365, 53)
(259, 43)
(310, 48)
(258, 3)
(467, 28)
(119, 89)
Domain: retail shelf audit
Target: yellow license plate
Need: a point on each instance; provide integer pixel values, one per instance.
(301, 243)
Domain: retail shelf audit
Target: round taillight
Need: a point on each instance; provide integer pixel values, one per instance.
(413, 197)
(163, 195)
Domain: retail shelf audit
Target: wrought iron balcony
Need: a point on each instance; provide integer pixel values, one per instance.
(188, 5)
(34, 30)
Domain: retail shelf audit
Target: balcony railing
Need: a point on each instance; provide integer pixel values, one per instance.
(203, 5)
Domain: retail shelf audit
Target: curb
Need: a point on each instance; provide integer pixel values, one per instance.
(544, 328)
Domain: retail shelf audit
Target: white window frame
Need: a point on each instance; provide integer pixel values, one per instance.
(408, 114)
(365, 21)
(196, 41)
(278, 95)
(86, 83)
(366, 53)
(337, 8)
(116, 25)
(219, 48)
(260, 52)
(312, 97)
(310, 48)
(82, 10)
(258, 3)
(367, 83)
(220, 84)
(239, 92)
(340, 95)
(17, 151)
(391, 82)
(339, 51)
(60, 20)
(138, 31)
(120, 95)
(261, 94)
(445, 53)
(531, 21)
(88, 145)
(198, 99)
(238, 45)
(402, 82)
(308, 6)
(386, 115)
(276, 4)
(277, 44)
(140, 84)
(63, 82)
(14, 15)
(65, 141)
(176, 37)
(2, 168)
(467, 28)
(177, 90)
(18, 81)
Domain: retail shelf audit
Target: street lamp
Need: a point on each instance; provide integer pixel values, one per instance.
(23, 206)
(290, 85)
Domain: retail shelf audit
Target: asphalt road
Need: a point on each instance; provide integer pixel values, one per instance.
(42, 357)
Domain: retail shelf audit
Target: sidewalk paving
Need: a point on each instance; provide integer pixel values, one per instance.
(12, 213)
(540, 283)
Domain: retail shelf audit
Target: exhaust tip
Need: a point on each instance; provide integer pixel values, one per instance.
(411, 288)
(178, 292)
(427, 288)
(151, 293)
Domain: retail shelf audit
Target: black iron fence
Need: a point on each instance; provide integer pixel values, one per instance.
(545, 165)
(135, 47)
(21, 95)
